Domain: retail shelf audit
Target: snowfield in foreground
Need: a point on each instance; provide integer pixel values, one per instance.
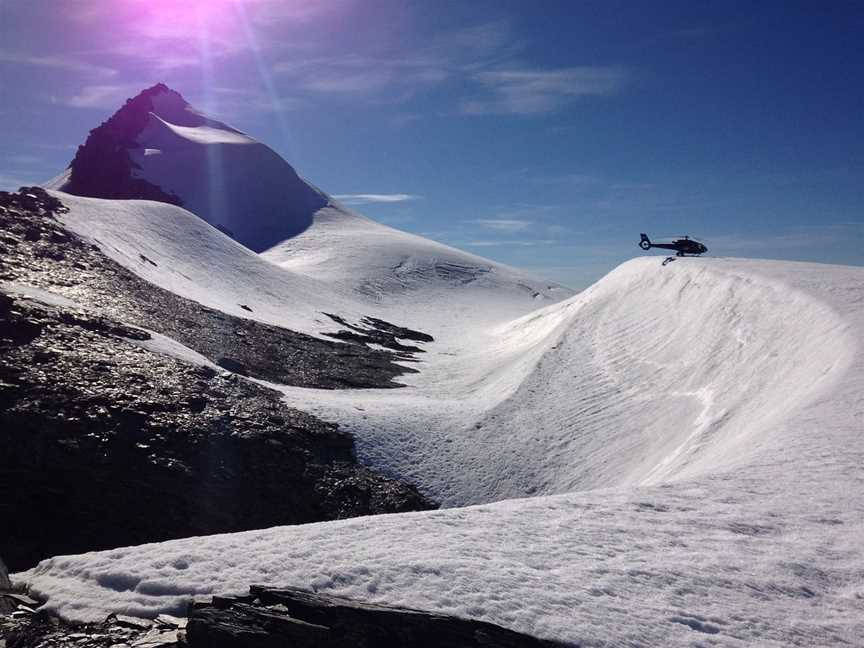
(692, 436)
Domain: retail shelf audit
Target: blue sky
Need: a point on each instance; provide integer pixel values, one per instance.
(542, 134)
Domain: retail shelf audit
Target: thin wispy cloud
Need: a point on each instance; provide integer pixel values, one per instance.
(18, 178)
(366, 199)
(405, 119)
(103, 95)
(480, 58)
(803, 236)
(570, 179)
(510, 225)
(57, 147)
(64, 64)
(350, 81)
(393, 79)
(536, 91)
(502, 243)
(267, 13)
(475, 47)
(396, 219)
(231, 103)
(22, 160)
(439, 58)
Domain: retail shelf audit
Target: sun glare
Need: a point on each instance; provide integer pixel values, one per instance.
(185, 19)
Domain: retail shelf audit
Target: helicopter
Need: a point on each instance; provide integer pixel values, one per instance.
(682, 246)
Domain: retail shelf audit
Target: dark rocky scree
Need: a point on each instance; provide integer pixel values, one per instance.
(29, 628)
(376, 331)
(102, 167)
(269, 618)
(35, 249)
(103, 443)
(106, 444)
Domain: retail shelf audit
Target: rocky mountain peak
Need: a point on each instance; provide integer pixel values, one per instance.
(103, 168)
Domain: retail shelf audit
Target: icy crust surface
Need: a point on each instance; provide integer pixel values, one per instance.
(409, 274)
(651, 566)
(740, 522)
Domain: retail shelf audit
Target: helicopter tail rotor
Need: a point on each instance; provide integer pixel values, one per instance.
(645, 242)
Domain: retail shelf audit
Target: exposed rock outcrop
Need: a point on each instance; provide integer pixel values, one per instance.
(6, 605)
(158, 147)
(372, 330)
(102, 167)
(269, 618)
(4, 576)
(105, 444)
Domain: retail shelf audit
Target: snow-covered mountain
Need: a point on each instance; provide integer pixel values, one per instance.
(672, 457)
(158, 147)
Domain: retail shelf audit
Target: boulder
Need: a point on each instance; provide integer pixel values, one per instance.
(7, 605)
(271, 618)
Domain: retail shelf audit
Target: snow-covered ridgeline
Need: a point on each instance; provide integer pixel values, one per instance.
(410, 276)
(654, 373)
(738, 516)
(174, 249)
(323, 272)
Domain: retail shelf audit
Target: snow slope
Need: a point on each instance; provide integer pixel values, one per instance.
(693, 438)
(229, 179)
(185, 255)
(178, 251)
(653, 373)
(409, 275)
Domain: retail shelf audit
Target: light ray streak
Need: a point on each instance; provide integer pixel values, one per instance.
(216, 204)
(267, 79)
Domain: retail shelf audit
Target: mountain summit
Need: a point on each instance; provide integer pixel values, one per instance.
(158, 147)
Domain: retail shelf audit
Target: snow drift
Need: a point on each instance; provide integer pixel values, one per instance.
(700, 422)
